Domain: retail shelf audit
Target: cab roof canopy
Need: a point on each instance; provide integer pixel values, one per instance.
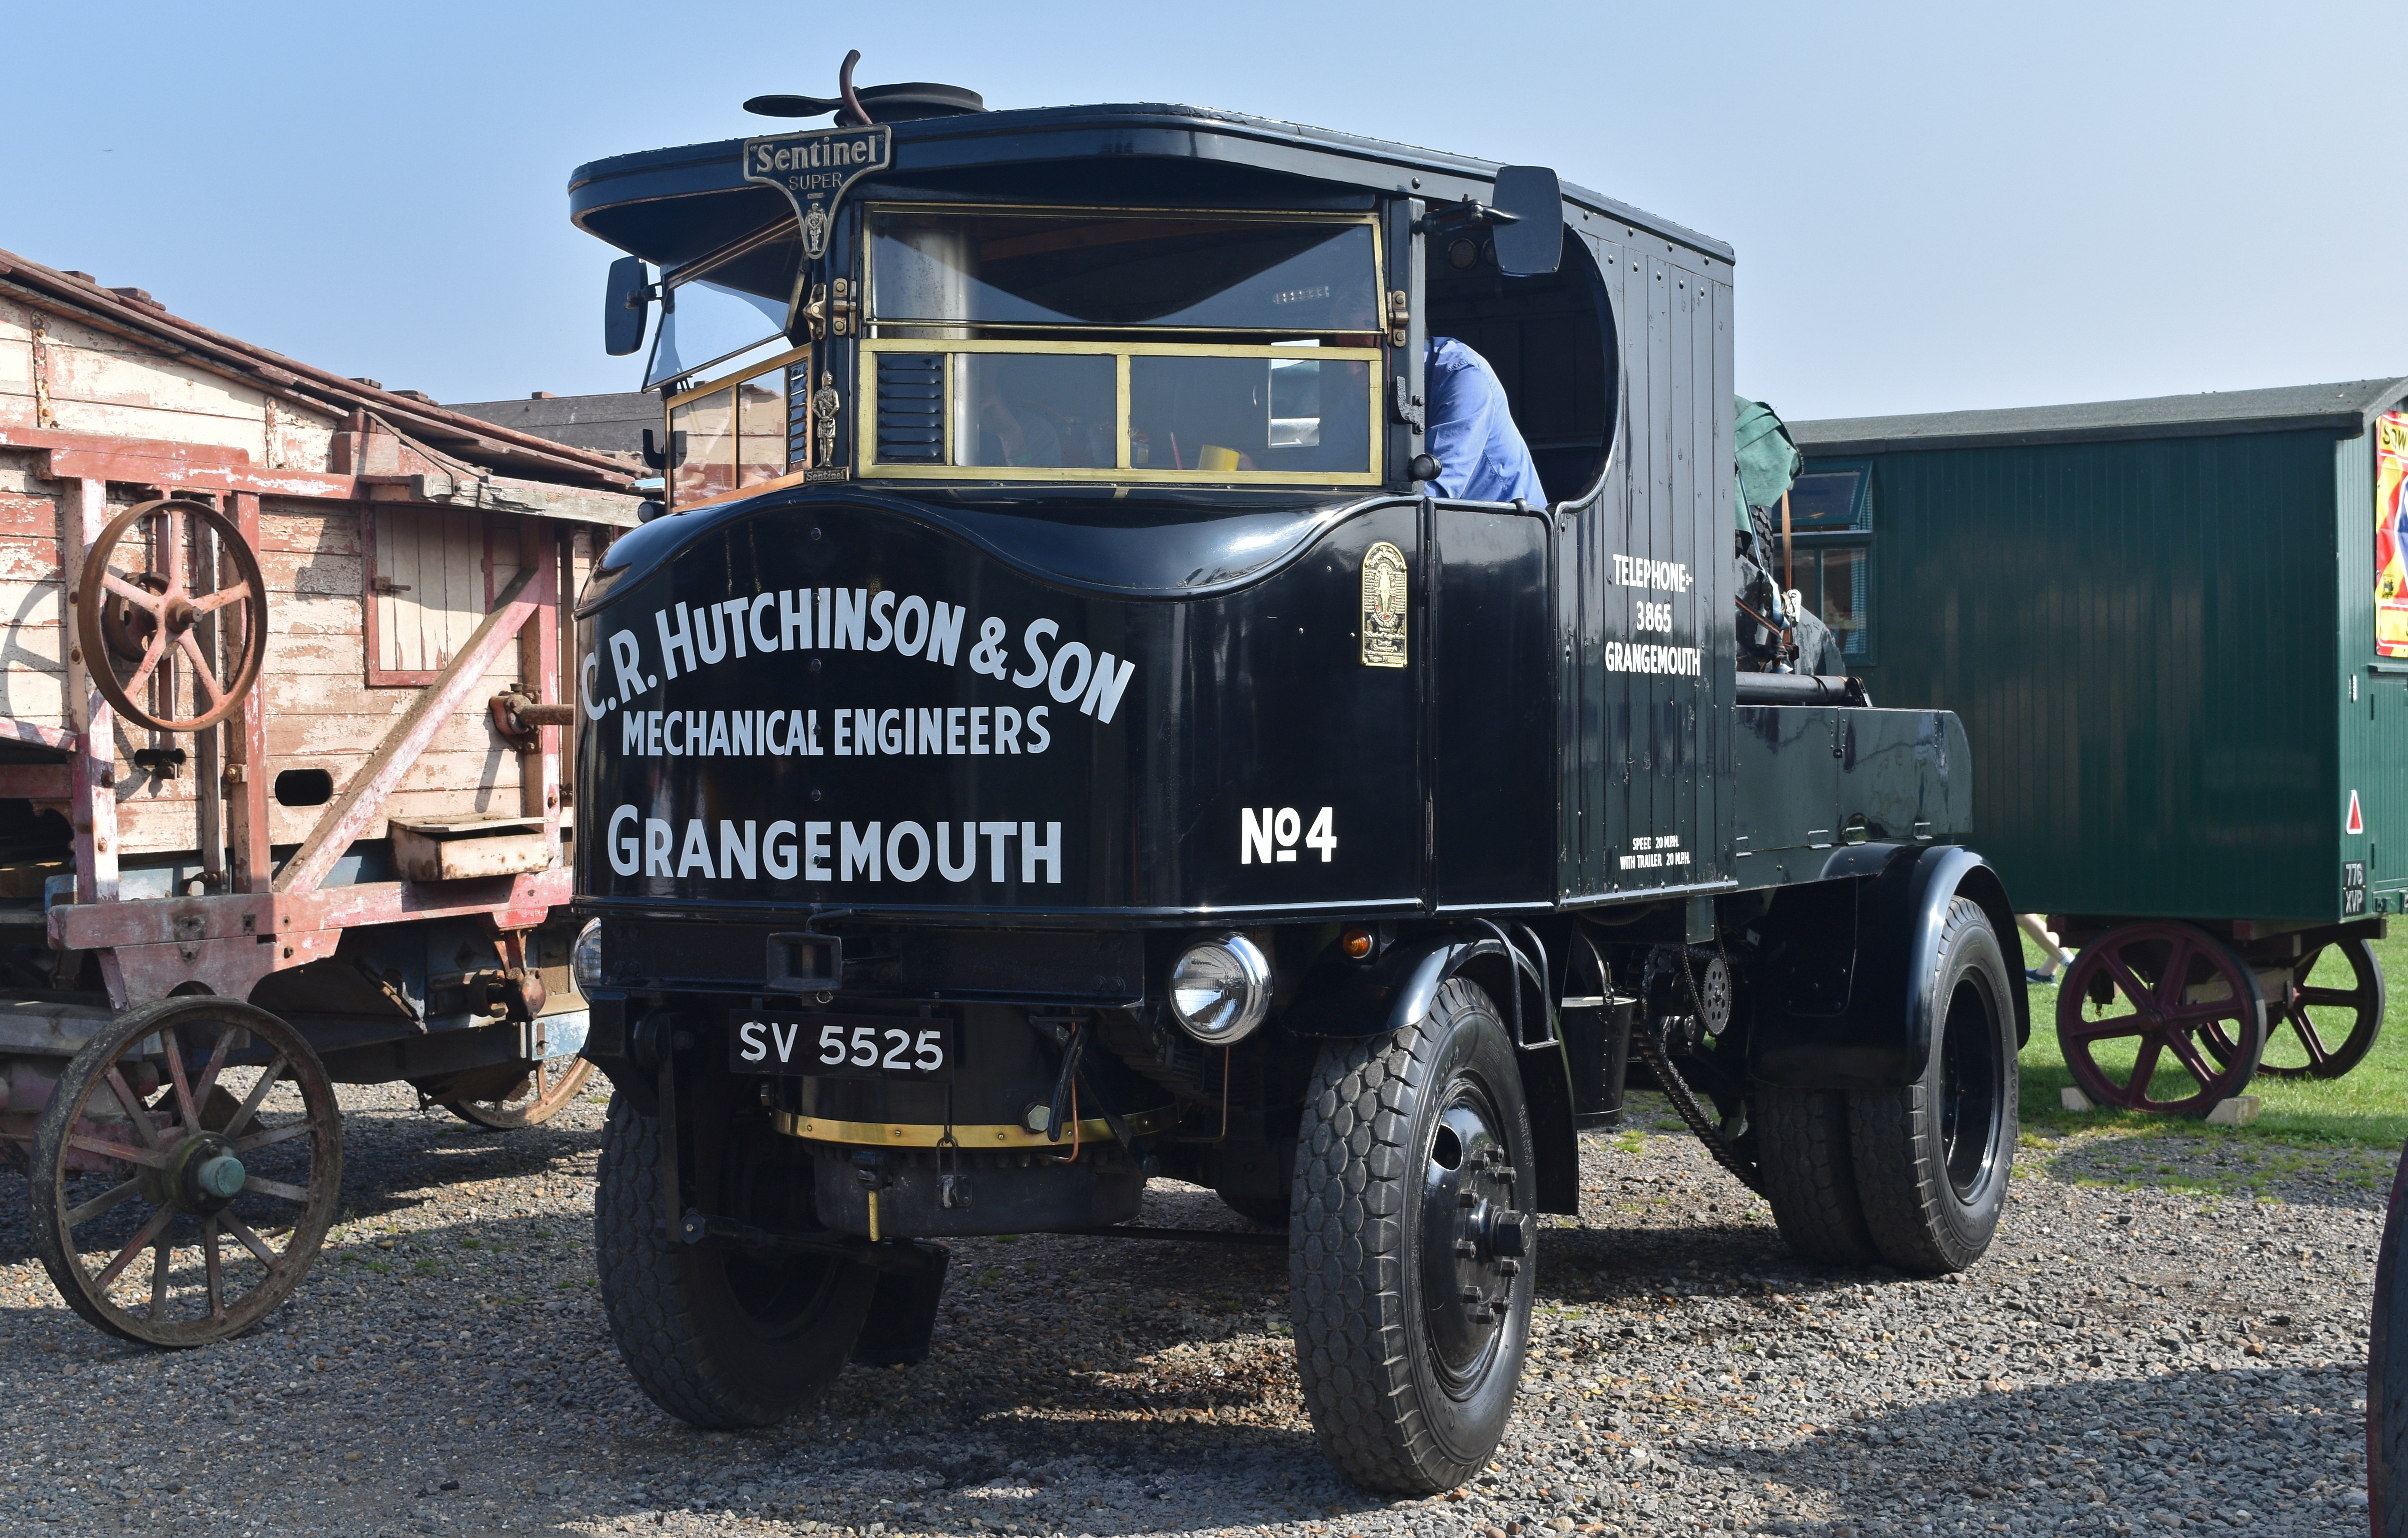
(671, 207)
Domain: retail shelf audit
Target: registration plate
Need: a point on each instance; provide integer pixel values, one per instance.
(845, 1046)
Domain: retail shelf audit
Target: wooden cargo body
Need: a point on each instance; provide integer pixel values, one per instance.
(413, 562)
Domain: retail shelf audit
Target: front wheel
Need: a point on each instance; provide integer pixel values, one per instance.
(1410, 1246)
(715, 1336)
(1932, 1159)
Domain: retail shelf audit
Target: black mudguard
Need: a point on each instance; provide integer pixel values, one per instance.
(1843, 1004)
(1345, 1002)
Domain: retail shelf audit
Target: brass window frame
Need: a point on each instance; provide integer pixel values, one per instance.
(870, 317)
(734, 424)
(865, 464)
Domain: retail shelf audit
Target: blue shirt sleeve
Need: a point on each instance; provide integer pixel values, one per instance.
(1481, 454)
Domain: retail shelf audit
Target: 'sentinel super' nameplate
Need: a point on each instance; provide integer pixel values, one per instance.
(1384, 605)
(815, 168)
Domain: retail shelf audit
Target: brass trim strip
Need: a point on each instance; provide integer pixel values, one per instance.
(1113, 348)
(751, 371)
(793, 1124)
(868, 467)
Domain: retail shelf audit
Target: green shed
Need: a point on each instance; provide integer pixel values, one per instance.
(2177, 634)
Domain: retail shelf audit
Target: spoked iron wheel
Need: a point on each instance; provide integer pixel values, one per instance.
(172, 595)
(185, 1170)
(2160, 1016)
(2326, 1029)
(534, 1100)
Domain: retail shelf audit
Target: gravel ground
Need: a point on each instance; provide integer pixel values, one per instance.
(2154, 1344)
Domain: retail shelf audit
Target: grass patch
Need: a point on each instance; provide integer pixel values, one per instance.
(2368, 1107)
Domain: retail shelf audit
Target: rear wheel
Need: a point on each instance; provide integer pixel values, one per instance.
(715, 1336)
(534, 1097)
(1410, 1267)
(1809, 1175)
(2331, 1020)
(1932, 1159)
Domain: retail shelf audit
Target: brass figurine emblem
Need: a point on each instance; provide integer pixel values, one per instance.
(1384, 605)
(824, 408)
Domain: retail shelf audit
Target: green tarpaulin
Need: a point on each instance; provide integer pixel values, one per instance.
(1768, 462)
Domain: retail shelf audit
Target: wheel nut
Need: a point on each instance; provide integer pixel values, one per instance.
(1472, 1295)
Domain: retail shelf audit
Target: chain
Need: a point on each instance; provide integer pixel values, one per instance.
(1684, 1098)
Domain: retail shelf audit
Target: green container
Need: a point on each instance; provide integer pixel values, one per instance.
(2157, 620)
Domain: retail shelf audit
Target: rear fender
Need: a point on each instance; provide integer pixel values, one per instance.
(1342, 1001)
(1868, 1022)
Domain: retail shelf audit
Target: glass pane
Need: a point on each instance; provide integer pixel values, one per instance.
(761, 428)
(1215, 415)
(706, 323)
(1025, 409)
(1200, 274)
(708, 467)
(1843, 601)
(1822, 499)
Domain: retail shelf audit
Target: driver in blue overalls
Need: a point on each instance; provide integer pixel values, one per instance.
(1481, 455)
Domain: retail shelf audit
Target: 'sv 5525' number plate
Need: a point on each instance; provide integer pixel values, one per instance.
(850, 1046)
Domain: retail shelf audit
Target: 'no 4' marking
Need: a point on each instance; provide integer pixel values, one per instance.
(1270, 835)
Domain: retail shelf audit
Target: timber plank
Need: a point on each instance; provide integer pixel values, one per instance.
(35, 517)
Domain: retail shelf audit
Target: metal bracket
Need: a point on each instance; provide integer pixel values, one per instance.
(1408, 406)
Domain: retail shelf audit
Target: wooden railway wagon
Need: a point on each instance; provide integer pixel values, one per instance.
(2178, 634)
(282, 786)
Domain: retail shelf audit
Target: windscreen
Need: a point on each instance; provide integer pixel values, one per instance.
(1289, 276)
(705, 322)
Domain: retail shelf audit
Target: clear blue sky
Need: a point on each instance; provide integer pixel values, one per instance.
(1934, 207)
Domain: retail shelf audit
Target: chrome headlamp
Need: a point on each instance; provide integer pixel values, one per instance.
(1221, 989)
(586, 957)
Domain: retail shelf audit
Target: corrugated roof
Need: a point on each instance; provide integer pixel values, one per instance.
(131, 312)
(2344, 409)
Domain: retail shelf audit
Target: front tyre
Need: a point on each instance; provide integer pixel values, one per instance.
(1409, 1246)
(1932, 1159)
(714, 1336)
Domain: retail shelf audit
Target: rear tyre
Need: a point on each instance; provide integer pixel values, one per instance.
(1932, 1159)
(714, 1336)
(1809, 1176)
(1410, 1246)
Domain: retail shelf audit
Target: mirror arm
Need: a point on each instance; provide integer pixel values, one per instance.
(1469, 214)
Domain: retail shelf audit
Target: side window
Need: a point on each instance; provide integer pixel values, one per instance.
(427, 587)
(1832, 530)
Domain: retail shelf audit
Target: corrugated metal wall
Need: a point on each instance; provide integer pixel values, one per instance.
(1653, 753)
(2140, 639)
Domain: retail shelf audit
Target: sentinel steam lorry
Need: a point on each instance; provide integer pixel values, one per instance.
(1060, 735)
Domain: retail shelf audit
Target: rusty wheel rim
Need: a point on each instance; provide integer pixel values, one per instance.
(535, 1099)
(185, 1172)
(199, 637)
(2144, 1011)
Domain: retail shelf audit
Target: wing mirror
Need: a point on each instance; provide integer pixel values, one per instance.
(627, 306)
(1531, 238)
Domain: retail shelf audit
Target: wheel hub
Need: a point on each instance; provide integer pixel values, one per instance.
(1474, 1241)
(203, 1175)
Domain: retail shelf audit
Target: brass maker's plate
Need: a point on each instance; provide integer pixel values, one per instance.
(881, 1134)
(1384, 605)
